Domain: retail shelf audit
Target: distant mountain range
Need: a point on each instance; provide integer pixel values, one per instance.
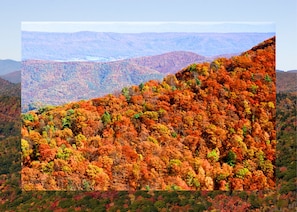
(289, 71)
(8, 66)
(107, 46)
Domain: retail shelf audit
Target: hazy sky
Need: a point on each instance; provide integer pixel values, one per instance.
(139, 27)
(282, 13)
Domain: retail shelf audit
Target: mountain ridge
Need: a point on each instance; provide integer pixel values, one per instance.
(170, 62)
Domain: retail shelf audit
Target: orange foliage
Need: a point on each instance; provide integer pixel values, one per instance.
(209, 126)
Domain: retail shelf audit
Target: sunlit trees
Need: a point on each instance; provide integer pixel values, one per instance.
(209, 126)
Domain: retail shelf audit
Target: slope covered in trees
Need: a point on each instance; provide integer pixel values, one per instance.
(10, 103)
(281, 199)
(10, 127)
(9, 89)
(286, 137)
(286, 82)
(210, 126)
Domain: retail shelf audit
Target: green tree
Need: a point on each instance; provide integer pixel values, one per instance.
(126, 93)
(106, 118)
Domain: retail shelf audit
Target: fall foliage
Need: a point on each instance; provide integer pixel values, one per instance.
(211, 126)
(281, 199)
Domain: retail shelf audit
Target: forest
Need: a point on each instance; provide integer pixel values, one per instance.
(282, 198)
(210, 126)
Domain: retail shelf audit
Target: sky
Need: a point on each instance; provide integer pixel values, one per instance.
(282, 13)
(140, 27)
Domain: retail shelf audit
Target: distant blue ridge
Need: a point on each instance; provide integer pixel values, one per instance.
(104, 47)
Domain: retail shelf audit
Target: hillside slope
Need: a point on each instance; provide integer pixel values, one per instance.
(10, 103)
(286, 81)
(209, 126)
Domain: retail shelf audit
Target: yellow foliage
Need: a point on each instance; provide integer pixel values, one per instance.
(26, 151)
(93, 170)
(271, 104)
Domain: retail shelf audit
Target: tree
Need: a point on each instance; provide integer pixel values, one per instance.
(106, 119)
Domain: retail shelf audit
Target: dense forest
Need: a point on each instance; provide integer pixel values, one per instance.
(10, 103)
(283, 198)
(210, 126)
(286, 82)
(10, 126)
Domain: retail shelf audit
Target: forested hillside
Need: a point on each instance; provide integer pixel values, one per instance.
(281, 199)
(10, 103)
(10, 126)
(9, 89)
(210, 126)
(286, 82)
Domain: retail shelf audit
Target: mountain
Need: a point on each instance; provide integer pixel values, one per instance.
(14, 77)
(107, 46)
(55, 81)
(210, 126)
(169, 62)
(286, 81)
(292, 71)
(9, 66)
